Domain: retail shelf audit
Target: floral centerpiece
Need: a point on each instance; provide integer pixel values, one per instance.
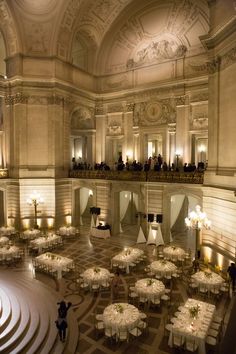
(194, 310)
(150, 282)
(96, 270)
(163, 261)
(127, 252)
(208, 273)
(173, 248)
(119, 308)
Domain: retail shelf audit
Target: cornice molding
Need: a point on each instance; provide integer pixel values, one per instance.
(212, 40)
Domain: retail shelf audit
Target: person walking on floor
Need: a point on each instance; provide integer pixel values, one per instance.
(115, 286)
(61, 321)
(232, 273)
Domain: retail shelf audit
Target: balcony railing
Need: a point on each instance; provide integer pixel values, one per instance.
(140, 176)
(3, 173)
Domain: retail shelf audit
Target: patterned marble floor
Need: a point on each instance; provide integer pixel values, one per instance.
(88, 252)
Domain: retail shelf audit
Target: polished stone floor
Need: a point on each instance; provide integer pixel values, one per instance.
(87, 252)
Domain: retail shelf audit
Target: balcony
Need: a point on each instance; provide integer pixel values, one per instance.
(140, 176)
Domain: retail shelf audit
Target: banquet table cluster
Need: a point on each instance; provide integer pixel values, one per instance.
(46, 242)
(192, 323)
(174, 253)
(163, 268)
(53, 264)
(208, 280)
(128, 257)
(100, 233)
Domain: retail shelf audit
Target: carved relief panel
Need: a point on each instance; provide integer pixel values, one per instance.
(199, 117)
(115, 125)
(154, 113)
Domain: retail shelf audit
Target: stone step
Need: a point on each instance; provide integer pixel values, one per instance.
(19, 323)
(6, 310)
(36, 310)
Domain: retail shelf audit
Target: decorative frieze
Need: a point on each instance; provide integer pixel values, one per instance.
(99, 108)
(19, 97)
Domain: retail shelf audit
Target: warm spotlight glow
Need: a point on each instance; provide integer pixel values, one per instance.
(50, 222)
(202, 148)
(197, 219)
(68, 220)
(90, 192)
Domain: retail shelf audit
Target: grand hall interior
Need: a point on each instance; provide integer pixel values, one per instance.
(117, 176)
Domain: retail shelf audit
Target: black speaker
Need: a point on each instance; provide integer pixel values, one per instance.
(150, 217)
(98, 211)
(159, 218)
(95, 210)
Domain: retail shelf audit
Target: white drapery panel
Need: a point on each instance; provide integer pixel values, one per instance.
(124, 203)
(176, 205)
(84, 196)
(141, 238)
(135, 199)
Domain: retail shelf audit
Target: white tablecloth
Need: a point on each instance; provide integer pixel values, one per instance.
(163, 268)
(96, 275)
(67, 231)
(149, 288)
(56, 262)
(100, 233)
(7, 231)
(196, 328)
(208, 279)
(174, 253)
(127, 319)
(30, 234)
(4, 241)
(126, 257)
(9, 252)
(41, 242)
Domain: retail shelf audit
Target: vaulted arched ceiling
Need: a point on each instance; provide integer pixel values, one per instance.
(106, 36)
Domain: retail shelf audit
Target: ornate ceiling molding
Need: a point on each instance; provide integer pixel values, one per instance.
(8, 28)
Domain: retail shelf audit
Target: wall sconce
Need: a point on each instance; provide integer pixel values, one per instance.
(90, 193)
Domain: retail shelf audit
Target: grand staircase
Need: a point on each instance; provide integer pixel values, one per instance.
(28, 310)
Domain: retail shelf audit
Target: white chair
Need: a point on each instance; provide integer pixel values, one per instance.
(109, 333)
(211, 341)
(190, 344)
(122, 335)
(136, 332)
(212, 332)
(177, 340)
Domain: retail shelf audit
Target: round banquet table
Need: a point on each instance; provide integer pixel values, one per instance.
(208, 279)
(4, 240)
(127, 319)
(174, 253)
(163, 268)
(7, 231)
(8, 252)
(30, 234)
(96, 275)
(67, 230)
(127, 256)
(149, 288)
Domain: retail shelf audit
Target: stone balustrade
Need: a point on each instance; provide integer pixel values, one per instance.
(141, 176)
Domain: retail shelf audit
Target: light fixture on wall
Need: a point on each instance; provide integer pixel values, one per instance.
(35, 199)
(202, 149)
(177, 154)
(90, 193)
(197, 220)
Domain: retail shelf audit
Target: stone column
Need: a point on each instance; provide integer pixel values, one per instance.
(172, 143)
(182, 131)
(100, 133)
(128, 133)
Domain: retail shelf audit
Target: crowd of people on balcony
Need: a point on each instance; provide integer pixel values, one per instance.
(155, 163)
